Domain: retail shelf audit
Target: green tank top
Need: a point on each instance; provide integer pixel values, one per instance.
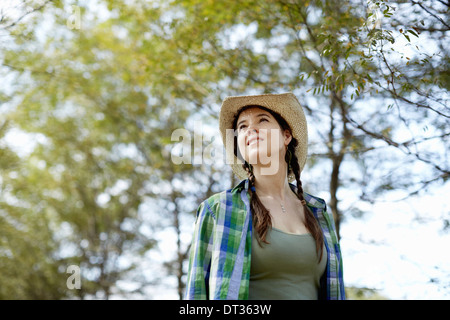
(285, 269)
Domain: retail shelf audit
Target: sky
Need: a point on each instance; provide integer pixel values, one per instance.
(400, 248)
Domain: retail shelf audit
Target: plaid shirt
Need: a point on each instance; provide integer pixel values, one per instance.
(219, 261)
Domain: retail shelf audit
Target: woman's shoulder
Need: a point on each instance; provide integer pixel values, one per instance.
(216, 198)
(314, 201)
(325, 218)
(226, 202)
(225, 195)
(213, 202)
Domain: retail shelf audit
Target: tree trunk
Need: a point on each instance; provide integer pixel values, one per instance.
(334, 186)
(337, 157)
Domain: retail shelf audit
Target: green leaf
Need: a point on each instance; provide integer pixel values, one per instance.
(413, 33)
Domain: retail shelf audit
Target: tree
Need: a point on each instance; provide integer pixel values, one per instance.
(327, 49)
(104, 99)
(367, 107)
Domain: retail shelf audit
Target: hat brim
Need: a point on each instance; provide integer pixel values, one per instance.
(285, 104)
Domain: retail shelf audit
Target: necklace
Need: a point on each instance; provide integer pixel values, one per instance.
(281, 204)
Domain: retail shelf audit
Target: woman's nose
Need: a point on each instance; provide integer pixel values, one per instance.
(252, 128)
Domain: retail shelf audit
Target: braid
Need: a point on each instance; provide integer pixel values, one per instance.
(310, 221)
(260, 215)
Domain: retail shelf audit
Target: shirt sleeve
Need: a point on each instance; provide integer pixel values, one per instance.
(197, 284)
(335, 280)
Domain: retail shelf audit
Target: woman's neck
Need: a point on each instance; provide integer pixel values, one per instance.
(274, 186)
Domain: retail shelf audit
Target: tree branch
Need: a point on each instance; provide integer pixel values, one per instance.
(27, 13)
(432, 14)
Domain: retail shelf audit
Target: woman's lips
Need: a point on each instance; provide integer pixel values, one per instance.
(253, 141)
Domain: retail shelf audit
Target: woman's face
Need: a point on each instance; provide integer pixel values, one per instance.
(260, 138)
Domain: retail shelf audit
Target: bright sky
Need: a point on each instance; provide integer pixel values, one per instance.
(400, 248)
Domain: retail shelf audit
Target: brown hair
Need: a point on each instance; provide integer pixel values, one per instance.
(262, 220)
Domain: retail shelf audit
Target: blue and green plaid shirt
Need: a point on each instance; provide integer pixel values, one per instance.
(219, 260)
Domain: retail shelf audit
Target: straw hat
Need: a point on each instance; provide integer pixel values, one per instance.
(285, 104)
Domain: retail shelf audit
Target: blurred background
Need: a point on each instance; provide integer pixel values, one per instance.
(91, 93)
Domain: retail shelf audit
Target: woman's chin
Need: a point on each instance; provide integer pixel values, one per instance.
(256, 155)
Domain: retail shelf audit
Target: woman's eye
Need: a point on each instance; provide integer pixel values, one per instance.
(242, 127)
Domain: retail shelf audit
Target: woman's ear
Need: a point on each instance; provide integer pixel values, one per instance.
(287, 137)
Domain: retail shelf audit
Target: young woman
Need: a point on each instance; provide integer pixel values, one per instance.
(265, 238)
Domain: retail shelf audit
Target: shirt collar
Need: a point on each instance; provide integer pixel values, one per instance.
(244, 184)
(311, 200)
(241, 185)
